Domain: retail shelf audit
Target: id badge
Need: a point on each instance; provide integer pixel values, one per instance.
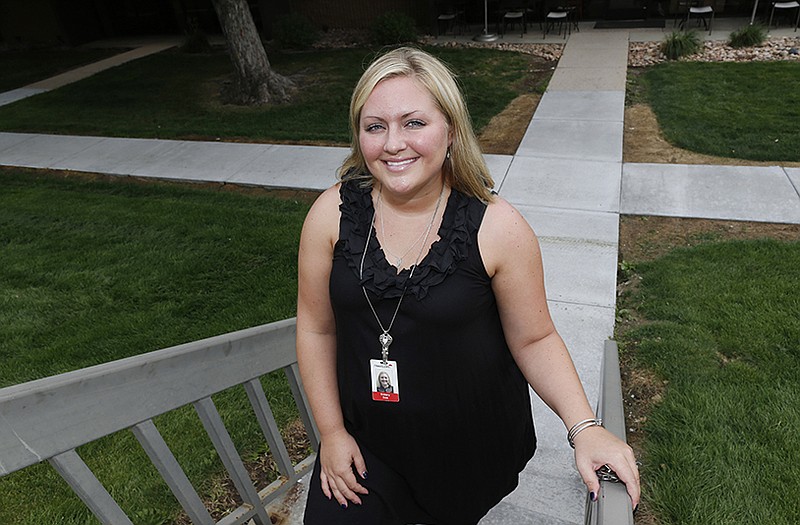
(384, 381)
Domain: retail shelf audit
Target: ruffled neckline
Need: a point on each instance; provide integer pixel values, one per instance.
(380, 277)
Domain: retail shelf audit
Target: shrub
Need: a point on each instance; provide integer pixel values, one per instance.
(680, 43)
(748, 36)
(394, 28)
(294, 31)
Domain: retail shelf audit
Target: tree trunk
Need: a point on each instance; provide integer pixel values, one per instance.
(255, 82)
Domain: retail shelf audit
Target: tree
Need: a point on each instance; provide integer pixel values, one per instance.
(254, 81)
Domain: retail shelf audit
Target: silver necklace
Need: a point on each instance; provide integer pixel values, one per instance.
(398, 260)
(385, 339)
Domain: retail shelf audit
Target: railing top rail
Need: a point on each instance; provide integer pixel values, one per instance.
(46, 417)
(614, 505)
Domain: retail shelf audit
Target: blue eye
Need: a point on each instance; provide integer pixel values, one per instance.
(373, 127)
(415, 124)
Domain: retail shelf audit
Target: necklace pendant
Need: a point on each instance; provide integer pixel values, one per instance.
(385, 339)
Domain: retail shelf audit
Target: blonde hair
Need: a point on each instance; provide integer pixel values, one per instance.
(465, 170)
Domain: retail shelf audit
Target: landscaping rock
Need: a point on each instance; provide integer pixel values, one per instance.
(643, 54)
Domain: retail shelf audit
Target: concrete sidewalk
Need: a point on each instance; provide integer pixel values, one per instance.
(568, 180)
(86, 71)
(565, 179)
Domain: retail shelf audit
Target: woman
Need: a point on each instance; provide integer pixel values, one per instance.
(384, 384)
(412, 265)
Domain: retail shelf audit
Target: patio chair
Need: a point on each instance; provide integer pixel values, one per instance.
(563, 13)
(785, 6)
(704, 13)
(555, 17)
(681, 12)
(513, 17)
(449, 16)
(509, 13)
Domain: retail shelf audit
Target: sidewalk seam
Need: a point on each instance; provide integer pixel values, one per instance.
(791, 182)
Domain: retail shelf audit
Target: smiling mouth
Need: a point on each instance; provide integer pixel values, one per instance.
(399, 164)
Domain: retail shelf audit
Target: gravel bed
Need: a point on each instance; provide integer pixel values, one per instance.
(786, 48)
(341, 38)
(640, 53)
(551, 52)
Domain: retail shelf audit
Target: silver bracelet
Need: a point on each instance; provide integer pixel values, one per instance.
(579, 427)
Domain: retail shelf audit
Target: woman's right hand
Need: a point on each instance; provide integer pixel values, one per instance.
(339, 455)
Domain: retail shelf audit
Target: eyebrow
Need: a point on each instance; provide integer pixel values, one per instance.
(404, 115)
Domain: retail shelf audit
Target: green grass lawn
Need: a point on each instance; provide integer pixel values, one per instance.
(93, 271)
(175, 95)
(21, 68)
(721, 326)
(744, 110)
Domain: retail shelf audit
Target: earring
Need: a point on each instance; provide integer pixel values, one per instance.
(448, 154)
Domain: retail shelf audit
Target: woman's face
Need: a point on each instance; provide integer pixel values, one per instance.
(384, 379)
(404, 137)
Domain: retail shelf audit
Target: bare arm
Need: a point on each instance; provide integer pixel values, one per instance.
(511, 253)
(316, 351)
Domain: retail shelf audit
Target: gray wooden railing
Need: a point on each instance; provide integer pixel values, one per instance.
(613, 505)
(47, 419)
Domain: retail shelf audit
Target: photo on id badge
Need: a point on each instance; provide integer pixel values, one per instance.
(384, 381)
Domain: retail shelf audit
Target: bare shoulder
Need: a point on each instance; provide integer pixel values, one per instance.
(322, 220)
(505, 225)
(327, 202)
(504, 235)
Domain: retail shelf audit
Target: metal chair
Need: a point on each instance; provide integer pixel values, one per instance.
(681, 12)
(574, 9)
(564, 14)
(704, 13)
(512, 12)
(785, 5)
(516, 16)
(450, 15)
(556, 17)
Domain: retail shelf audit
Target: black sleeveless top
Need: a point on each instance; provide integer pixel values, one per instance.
(462, 430)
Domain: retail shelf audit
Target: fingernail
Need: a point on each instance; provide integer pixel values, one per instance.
(635, 508)
(343, 505)
(364, 474)
(593, 496)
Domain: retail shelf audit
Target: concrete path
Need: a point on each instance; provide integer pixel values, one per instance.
(86, 71)
(568, 180)
(565, 179)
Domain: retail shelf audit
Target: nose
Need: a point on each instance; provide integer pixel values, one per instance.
(395, 141)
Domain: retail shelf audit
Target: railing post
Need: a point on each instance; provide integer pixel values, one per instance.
(169, 468)
(80, 478)
(258, 400)
(230, 458)
(296, 385)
